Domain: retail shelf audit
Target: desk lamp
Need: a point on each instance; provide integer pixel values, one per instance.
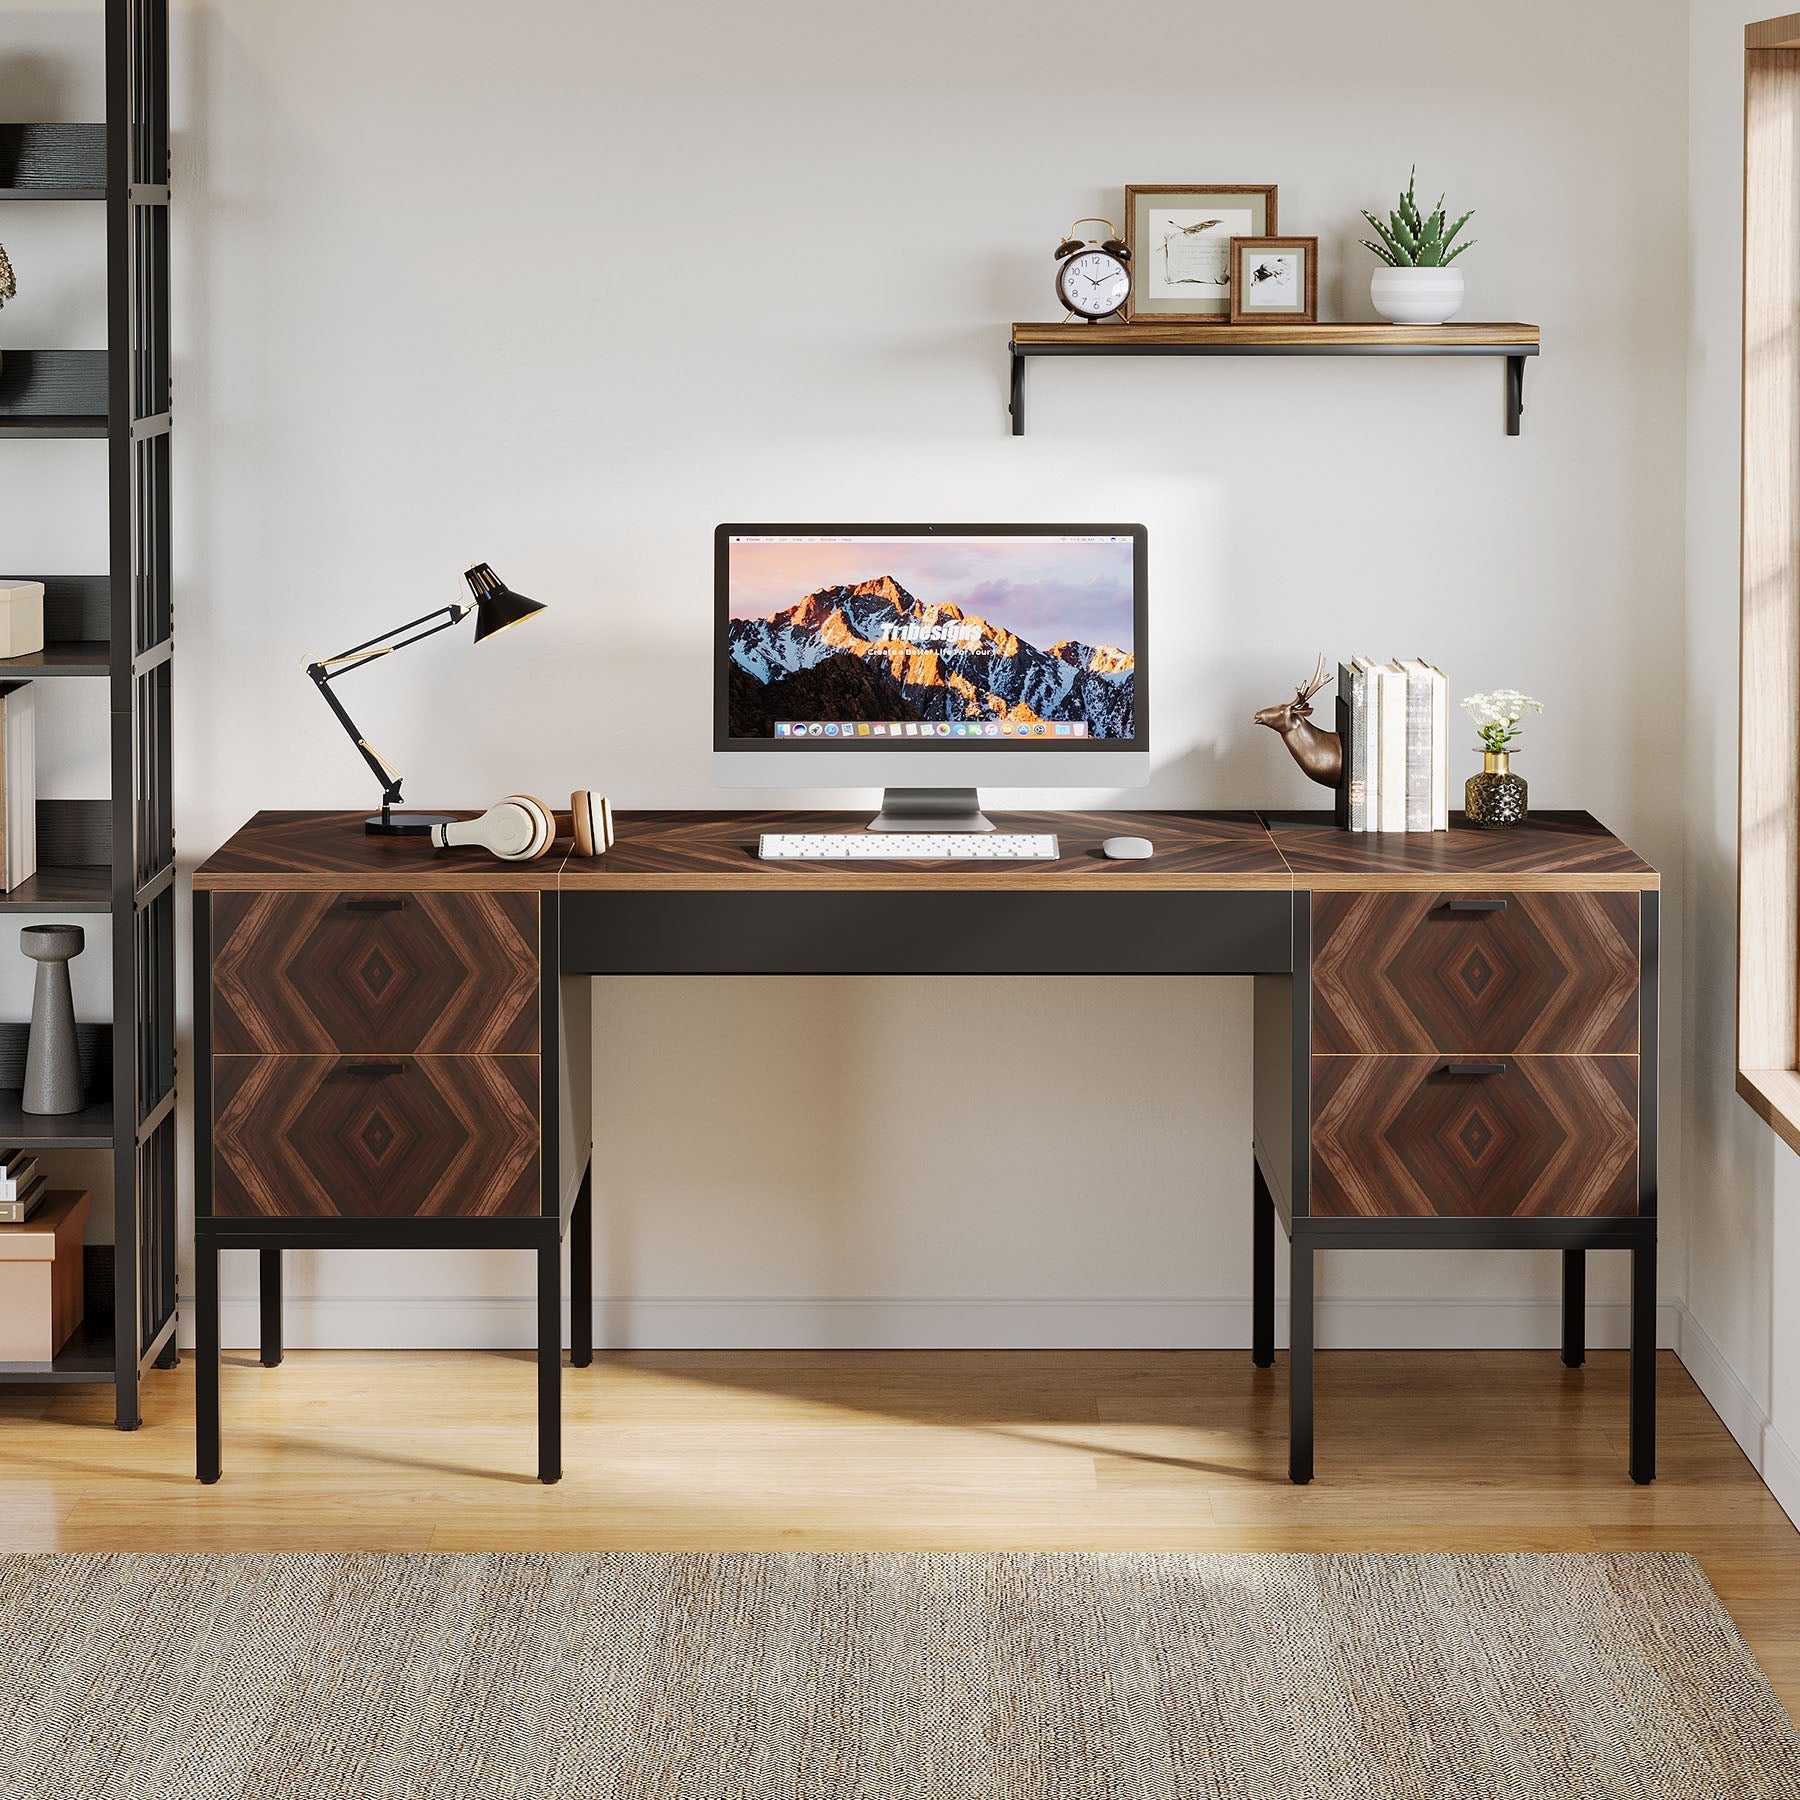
(495, 607)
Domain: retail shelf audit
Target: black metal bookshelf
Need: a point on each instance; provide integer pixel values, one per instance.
(113, 856)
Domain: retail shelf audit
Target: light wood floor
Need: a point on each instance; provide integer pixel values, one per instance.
(942, 1450)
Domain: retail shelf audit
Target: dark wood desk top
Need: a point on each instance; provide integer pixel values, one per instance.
(1195, 851)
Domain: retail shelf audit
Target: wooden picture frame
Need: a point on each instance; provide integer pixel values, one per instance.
(1294, 268)
(1177, 275)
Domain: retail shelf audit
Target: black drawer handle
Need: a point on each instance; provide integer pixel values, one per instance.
(1462, 906)
(1474, 1068)
(374, 1068)
(373, 905)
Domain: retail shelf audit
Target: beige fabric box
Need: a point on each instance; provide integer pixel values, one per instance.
(21, 616)
(41, 1278)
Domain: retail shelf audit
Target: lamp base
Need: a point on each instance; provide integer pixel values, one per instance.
(406, 824)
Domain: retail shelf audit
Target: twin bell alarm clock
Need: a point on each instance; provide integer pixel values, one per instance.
(1093, 277)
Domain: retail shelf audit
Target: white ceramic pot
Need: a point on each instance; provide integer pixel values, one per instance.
(1416, 296)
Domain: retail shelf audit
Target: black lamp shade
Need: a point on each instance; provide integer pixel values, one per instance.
(496, 605)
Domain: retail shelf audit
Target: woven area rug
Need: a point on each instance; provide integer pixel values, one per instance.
(839, 1677)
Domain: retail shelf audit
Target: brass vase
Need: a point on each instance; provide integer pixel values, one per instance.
(1495, 798)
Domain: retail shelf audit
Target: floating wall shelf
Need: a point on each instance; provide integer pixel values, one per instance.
(1513, 342)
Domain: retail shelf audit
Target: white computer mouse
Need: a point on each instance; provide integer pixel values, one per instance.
(1128, 849)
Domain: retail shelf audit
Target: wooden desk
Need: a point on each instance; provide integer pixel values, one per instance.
(1455, 1034)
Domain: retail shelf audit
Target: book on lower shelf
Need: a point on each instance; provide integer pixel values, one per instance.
(16, 1212)
(16, 1167)
(1393, 725)
(18, 783)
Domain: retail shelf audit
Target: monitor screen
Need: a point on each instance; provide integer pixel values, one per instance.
(895, 637)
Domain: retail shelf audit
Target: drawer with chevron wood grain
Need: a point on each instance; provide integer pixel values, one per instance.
(375, 973)
(1494, 973)
(336, 1137)
(1492, 1137)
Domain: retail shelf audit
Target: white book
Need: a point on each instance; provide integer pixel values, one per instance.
(18, 788)
(1371, 741)
(1418, 743)
(1440, 749)
(22, 1169)
(1353, 690)
(1390, 682)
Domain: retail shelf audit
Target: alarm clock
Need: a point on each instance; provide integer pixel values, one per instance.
(1092, 277)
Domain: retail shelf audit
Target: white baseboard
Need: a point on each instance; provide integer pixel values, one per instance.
(977, 1323)
(1770, 1454)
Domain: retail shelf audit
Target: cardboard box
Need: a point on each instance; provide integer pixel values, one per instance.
(21, 616)
(40, 1278)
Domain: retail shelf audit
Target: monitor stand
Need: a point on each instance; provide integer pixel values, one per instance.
(930, 809)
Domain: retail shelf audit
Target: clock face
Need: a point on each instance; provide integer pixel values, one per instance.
(1093, 283)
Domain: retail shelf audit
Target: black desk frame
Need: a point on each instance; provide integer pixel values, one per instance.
(942, 932)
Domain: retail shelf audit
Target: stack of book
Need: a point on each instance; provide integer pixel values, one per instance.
(22, 1186)
(1393, 718)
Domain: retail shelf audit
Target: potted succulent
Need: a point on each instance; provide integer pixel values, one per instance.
(8, 286)
(1496, 797)
(1416, 285)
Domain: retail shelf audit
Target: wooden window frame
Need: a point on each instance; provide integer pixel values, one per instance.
(1768, 997)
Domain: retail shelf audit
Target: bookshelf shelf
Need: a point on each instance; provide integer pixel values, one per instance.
(79, 888)
(1513, 342)
(53, 393)
(89, 1129)
(52, 162)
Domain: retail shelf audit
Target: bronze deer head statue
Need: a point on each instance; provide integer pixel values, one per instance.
(1319, 753)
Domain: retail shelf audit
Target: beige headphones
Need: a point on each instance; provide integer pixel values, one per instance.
(521, 827)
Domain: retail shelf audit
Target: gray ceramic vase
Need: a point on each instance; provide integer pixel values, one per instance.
(52, 1059)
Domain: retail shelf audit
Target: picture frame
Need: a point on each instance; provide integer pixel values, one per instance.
(1179, 235)
(1274, 279)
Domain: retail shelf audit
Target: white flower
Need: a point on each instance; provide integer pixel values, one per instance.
(1504, 707)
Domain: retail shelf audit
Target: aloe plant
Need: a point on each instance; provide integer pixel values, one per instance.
(1410, 241)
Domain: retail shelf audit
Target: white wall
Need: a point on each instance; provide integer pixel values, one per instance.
(561, 285)
(1742, 1184)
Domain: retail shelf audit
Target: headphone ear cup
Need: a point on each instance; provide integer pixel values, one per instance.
(590, 822)
(543, 826)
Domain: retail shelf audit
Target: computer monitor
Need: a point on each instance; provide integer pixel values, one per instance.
(927, 659)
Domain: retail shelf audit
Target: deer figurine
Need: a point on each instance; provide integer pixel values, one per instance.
(1319, 753)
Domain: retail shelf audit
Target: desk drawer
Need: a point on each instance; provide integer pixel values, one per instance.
(358, 1138)
(1496, 974)
(1539, 1137)
(375, 973)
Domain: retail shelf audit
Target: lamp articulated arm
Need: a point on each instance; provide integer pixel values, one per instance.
(496, 608)
(329, 669)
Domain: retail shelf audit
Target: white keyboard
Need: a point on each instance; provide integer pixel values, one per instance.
(907, 846)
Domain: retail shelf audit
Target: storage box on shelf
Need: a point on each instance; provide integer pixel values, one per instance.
(41, 1280)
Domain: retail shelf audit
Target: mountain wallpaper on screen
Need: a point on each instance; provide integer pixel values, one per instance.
(872, 651)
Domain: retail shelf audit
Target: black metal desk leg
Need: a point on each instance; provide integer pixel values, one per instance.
(581, 1274)
(1016, 406)
(1574, 1311)
(1300, 1359)
(1643, 1361)
(1262, 1275)
(550, 1361)
(206, 1359)
(269, 1260)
